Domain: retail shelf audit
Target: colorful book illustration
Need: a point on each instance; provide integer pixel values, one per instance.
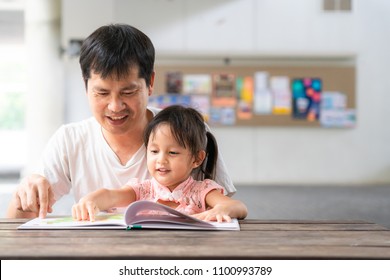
(306, 94)
(138, 215)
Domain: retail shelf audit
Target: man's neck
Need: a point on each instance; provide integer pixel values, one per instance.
(127, 144)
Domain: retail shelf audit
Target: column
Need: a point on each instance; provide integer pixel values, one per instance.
(44, 106)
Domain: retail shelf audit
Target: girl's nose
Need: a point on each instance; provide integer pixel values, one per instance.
(162, 158)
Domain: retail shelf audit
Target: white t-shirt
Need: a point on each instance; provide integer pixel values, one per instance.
(78, 158)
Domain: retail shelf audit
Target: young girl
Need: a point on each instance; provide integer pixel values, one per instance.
(178, 146)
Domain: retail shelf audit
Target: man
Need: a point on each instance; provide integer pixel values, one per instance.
(117, 64)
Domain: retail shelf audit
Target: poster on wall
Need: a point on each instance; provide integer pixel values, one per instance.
(280, 88)
(163, 101)
(197, 84)
(262, 103)
(244, 86)
(174, 82)
(202, 104)
(224, 90)
(334, 111)
(222, 116)
(306, 94)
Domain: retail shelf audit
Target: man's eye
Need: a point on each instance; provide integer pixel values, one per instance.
(129, 92)
(102, 93)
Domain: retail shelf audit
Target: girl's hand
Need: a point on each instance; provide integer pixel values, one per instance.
(218, 213)
(85, 210)
(223, 208)
(102, 199)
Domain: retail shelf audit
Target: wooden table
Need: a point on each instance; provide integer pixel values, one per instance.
(258, 239)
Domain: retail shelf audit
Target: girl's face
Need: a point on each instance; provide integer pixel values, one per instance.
(168, 162)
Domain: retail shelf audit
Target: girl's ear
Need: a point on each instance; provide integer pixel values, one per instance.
(199, 158)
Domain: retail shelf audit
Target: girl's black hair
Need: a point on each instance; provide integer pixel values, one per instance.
(115, 49)
(189, 129)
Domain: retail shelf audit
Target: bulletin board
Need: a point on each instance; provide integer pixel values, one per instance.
(334, 78)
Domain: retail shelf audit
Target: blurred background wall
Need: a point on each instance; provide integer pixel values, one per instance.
(280, 30)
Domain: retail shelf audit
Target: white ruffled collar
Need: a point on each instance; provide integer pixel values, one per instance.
(165, 194)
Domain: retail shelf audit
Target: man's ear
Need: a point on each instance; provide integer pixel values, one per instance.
(199, 158)
(151, 85)
(86, 84)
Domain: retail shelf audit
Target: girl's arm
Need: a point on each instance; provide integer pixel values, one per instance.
(223, 208)
(102, 199)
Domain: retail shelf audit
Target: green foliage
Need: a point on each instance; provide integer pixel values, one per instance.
(12, 92)
(12, 110)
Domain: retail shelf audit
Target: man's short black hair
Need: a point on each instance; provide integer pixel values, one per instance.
(112, 50)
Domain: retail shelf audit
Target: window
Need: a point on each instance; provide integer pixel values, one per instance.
(13, 77)
(12, 90)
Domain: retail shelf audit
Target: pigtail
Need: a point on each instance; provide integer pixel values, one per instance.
(210, 162)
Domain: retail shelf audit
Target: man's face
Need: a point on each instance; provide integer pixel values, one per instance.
(119, 105)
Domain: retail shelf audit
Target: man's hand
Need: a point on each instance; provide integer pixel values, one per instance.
(33, 197)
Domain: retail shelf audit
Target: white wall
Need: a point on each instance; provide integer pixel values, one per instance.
(267, 155)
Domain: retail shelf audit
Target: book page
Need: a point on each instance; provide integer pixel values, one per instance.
(169, 218)
(67, 222)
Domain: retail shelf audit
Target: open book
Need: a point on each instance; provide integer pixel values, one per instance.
(138, 215)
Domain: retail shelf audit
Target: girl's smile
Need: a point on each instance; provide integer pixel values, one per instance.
(168, 162)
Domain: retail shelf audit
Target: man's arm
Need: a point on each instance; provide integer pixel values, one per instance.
(33, 197)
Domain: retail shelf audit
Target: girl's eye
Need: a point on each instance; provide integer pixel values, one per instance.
(173, 153)
(153, 151)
